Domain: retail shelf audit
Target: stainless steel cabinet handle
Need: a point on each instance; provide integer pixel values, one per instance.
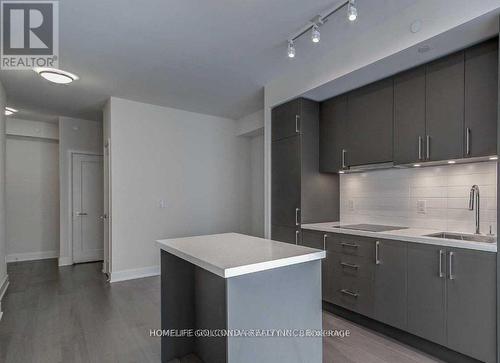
(428, 147)
(351, 245)
(467, 141)
(350, 265)
(420, 148)
(297, 126)
(441, 273)
(377, 261)
(297, 233)
(451, 276)
(325, 236)
(344, 151)
(297, 221)
(350, 293)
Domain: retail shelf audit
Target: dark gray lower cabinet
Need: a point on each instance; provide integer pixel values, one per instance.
(317, 239)
(427, 292)
(471, 303)
(390, 283)
(285, 234)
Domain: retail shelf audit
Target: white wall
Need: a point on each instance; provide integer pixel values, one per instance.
(32, 190)
(391, 196)
(3, 265)
(81, 136)
(195, 162)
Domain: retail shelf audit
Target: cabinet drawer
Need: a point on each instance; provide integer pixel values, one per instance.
(352, 245)
(355, 294)
(352, 266)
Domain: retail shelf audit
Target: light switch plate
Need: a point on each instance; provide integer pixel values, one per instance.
(421, 206)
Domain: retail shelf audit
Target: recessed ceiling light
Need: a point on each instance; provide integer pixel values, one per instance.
(55, 75)
(315, 34)
(291, 49)
(493, 157)
(341, 172)
(416, 165)
(451, 161)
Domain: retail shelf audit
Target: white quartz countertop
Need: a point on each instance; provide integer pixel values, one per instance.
(234, 254)
(408, 235)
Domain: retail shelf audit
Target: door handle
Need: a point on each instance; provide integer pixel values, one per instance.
(350, 293)
(428, 147)
(297, 126)
(420, 140)
(441, 273)
(451, 276)
(325, 236)
(377, 261)
(350, 265)
(297, 237)
(297, 212)
(80, 214)
(467, 142)
(344, 151)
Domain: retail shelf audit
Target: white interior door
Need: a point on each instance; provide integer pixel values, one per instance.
(88, 228)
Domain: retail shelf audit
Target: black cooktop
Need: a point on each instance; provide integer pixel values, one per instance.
(370, 227)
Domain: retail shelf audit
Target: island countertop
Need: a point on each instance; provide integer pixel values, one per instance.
(233, 254)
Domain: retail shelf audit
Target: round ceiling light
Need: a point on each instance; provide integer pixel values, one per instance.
(55, 75)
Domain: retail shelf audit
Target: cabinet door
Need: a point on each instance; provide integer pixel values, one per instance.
(285, 184)
(390, 283)
(427, 292)
(285, 234)
(409, 116)
(316, 239)
(370, 110)
(332, 134)
(471, 303)
(445, 107)
(481, 99)
(284, 122)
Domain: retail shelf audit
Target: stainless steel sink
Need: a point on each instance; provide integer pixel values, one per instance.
(464, 237)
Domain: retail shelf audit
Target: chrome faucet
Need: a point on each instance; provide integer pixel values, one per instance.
(474, 195)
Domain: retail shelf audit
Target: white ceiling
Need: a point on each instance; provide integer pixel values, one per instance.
(211, 57)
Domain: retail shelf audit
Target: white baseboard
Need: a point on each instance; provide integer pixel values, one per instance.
(31, 256)
(4, 284)
(65, 261)
(136, 273)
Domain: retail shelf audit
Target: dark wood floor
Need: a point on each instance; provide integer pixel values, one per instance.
(71, 314)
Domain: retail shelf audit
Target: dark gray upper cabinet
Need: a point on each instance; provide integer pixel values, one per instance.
(481, 99)
(409, 116)
(285, 120)
(333, 134)
(445, 107)
(286, 183)
(471, 303)
(390, 283)
(426, 307)
(370, 124)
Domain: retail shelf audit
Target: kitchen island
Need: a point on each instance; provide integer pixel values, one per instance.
(236, 298)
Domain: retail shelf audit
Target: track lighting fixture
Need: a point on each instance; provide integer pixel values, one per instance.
(315, 34)
(352, 12)
(291, 49)
(319, 20)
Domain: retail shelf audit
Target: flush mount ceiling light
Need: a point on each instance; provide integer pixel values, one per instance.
(451, 161)
(314, 25)
(10, 111)
(493, 157)
(55, 75)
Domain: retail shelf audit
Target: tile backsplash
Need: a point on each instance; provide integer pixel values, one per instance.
(432, 197)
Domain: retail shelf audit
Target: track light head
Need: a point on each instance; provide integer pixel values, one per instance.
(315, 34)
(352, 11)
(291, 49)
